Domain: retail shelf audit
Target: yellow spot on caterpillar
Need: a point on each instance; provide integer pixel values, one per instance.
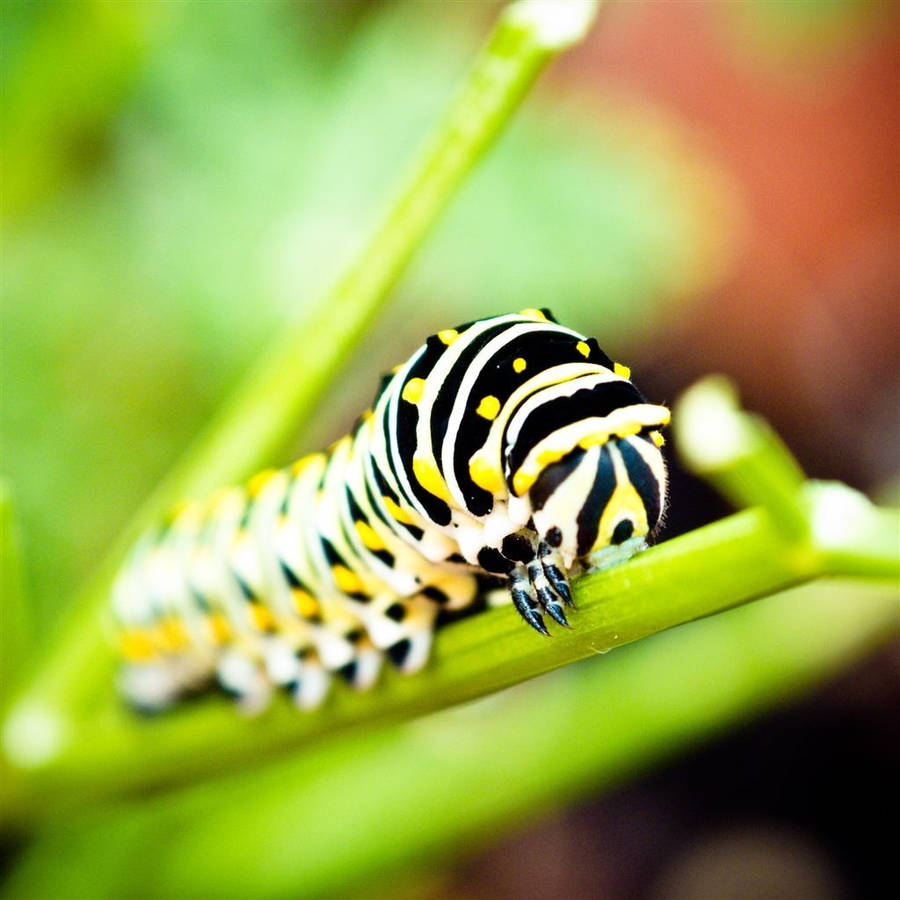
(485, 475)
(173, 635)
(306, 605)
(219, 628)
(259, 481)
(261, 617)
(448, 336)
(412, 390)
(522, 481)
(397, 368)
(398, 512)
(488, 408)
(427, 474)
(519, 364)
(583, 349)
(657, 439)
(347, 581)
(340, 443)
(624, 429)
(367, 415)
(533, 314)
(622, 371)
(369, 536)
(298, 466)
(136, 646)
(548, 457)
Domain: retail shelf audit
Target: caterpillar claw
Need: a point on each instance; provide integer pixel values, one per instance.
(523, 603)
(550, 603)
(551, 563)
(560, 584)
(556, 612)
(548, 599)
(535, 621)
(525, 600)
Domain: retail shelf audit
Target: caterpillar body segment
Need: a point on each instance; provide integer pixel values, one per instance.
(510, 448)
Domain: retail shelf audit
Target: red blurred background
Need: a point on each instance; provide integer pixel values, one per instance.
(807, 125)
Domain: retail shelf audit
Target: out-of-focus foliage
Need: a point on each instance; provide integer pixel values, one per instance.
(65, 69)
(237, 159)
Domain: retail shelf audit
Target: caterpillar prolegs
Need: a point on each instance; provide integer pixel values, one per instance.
(507, 448)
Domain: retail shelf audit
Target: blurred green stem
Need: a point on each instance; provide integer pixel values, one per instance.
(281, 393)
(749, 464)
(739, 454)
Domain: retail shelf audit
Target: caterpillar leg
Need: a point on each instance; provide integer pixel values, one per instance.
(525, 600)
(540, 586)
(310, 686)
(362, 671)
(245, 680)
(401, 629)
(150, 687)
(555, 572)
(410, 654)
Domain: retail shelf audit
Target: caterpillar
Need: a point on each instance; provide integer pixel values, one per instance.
(506, 449)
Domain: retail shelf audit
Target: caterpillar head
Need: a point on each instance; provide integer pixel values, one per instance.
(600, 497)
(587, 454)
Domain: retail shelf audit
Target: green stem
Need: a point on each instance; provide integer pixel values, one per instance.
(349, 812)
(706, 571)
(283, 390)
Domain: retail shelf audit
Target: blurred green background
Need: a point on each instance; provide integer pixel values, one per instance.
(701, 186)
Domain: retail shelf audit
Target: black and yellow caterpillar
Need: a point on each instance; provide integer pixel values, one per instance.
(509, 447)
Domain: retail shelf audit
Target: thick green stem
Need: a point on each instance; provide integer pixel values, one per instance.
(347, 813)
(706, 571)
(283, 390)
